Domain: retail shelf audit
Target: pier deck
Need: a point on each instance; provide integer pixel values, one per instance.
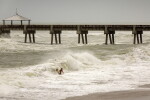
(74, 27)
(82, 30)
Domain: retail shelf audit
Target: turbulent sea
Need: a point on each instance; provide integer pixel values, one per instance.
(27, 71)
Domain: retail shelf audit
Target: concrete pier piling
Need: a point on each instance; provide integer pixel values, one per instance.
(82, 35)
(55, 33)
(137, 33)
(82, 38)
(109, 33)
(31, 35)
(86, 41)
(78, 38)
(141, 40)
(79, 33)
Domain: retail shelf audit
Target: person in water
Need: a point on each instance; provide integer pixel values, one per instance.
(60, 71)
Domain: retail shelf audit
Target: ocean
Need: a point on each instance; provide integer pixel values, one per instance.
(28, 70)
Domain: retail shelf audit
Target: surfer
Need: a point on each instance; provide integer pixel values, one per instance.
(60, 71)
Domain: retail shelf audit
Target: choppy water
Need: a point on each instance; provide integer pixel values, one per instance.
(27, 71)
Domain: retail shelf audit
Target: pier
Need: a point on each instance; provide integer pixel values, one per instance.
(82, 31)
(55, 31)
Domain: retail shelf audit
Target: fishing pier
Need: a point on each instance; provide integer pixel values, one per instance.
(55, 31)
(82, 31)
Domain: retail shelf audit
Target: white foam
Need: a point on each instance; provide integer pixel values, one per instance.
(6, 90)
(97, 77)
(78, 61)
(84, 73)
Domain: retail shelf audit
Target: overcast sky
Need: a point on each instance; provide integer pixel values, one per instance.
(79, 11)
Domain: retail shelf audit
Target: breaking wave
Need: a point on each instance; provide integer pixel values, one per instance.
(102, 69)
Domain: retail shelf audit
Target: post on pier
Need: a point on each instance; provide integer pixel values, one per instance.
(85, 36)
(78, 32)
(134, 33)
(109, 35)
(86, 41)
(25, 32)
(51, 32)
(59, 35)
(78, 38)
(56, 34)
(137, 35)
(113, 38)
(82, 35)
(106, 32)
(30, 37)
(112, 32)
(30, 33)
(141, 39)
(57, 39)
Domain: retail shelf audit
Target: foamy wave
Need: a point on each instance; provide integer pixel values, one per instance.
(33, 76)
(79, 61)
(138, 54)
(6, 89)
(84, 73)
(70, 62)
(11, 46)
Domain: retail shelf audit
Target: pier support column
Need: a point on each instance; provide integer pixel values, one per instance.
(111, 38)
(83, 38)
(25, 41)
(106, 40)
(86, 41)
(141, 40)
(51, 38)
(78, 38)
(30, 37)
(137, 36)
(56, 38)
(31, 34)
(57, 35)
(33, 37)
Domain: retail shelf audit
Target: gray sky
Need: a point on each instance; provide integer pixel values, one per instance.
(79, 11)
